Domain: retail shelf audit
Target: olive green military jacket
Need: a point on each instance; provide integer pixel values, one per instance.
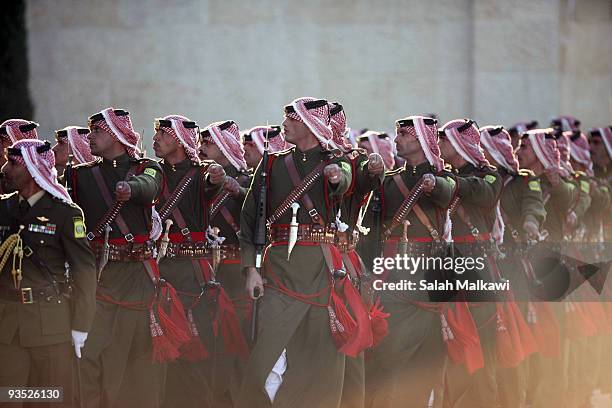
(180, 272)
(558, 201)
(228, 220)
(521, 201)
(478, 190)
(433, 204)
(117, 279)
(362, 184)
(194, 200)
(324, 195)
(55, 232)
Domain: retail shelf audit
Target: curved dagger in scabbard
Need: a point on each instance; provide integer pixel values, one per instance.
(293, 229)
(105, 250)
(163, 247)
(403, 244)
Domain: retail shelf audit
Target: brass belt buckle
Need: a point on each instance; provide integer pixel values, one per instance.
(27, 297)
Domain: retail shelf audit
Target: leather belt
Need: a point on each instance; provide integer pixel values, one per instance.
(28, 296)
(324, 234)
(200, 249)
(189, 249)
(128, 252)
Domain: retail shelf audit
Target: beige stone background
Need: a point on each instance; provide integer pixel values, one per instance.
(498, 61)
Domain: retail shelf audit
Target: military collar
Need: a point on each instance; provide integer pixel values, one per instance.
(183, 165)
(119, 161)
(45, 201)
(34, 198)
(313, 154)
(419, 169)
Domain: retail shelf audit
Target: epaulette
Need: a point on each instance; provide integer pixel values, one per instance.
(485, 170)
(490, 168)
(579, 174)
(141, 160)
(526, 173)
(394, 172)
(359, 150)
(7, 196)
(60, 201)
(283, 152)
(145, 161)
(336, 153)
(246, 172)
(90, 164)
(204, 163)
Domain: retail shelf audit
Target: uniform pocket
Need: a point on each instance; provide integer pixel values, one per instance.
(55, 318)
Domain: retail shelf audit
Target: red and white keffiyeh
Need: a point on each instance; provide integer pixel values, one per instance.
(606, 135)
(187, 137)
(382, 146)
(276, 143)
(316, 119)
(120, 127)
(522, 127)
(499, 147)
(563, 144)
(339, 128)
(580, 151)
(229, 142)
(466, 142)
(545, 148)
(567, 123)
(15, 134)
(79, 144)
(427, 135)
(37, 156)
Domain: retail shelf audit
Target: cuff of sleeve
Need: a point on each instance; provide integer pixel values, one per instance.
(135, 188)
(79, 324)
(247, 257)
(531, 218)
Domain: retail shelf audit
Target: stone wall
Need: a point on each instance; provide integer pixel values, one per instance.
(498, 61)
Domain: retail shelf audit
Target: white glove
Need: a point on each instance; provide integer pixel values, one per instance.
(78, 339)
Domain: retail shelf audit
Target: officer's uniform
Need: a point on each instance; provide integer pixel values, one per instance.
(36, 318)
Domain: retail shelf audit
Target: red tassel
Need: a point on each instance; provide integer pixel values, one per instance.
(608, 311)
(577, 323)
(163, 349)
(341, 323)
(598, 315)
(173, 323)
(463, 344)
(194, 350)
(233, 337)
(545, 329)
(380, 326)
(362, 335)
(528, 343)
(509, 353)
(357, 331)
